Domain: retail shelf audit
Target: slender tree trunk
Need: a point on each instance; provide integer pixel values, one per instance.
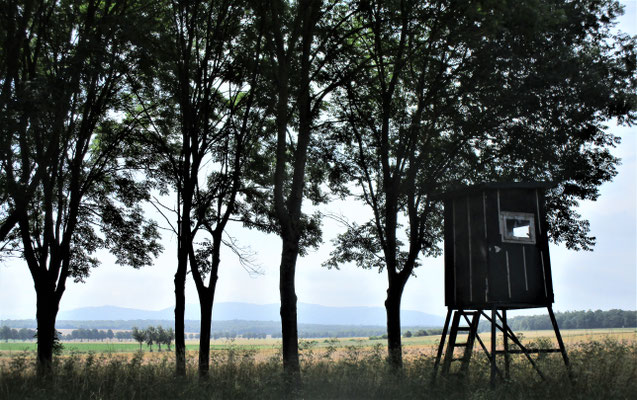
(180, 310)
(288, 208)
(289, 330)
(205, 302)
(47, 309)
(182, 268)
(392, 307)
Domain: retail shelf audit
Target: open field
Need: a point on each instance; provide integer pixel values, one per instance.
(603, 367)
(422, 344)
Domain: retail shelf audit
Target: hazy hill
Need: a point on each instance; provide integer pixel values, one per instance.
(308, 314)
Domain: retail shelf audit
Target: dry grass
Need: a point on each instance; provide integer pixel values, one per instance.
(604, 369)
(335, 348)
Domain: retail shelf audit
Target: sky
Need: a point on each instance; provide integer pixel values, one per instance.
(603, 279)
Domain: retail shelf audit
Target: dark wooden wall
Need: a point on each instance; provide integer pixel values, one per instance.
(482, 270)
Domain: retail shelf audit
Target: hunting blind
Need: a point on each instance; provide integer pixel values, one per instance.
(496, 259)
(496, 247)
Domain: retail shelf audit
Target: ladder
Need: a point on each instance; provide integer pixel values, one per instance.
(471, 318)
(498, 322)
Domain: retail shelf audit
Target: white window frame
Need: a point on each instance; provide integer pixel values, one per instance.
(504, 215)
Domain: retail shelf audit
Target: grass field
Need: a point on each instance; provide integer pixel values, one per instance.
(424, 343)
(604, 366)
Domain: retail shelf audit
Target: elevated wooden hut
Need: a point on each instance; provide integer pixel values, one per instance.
(496, 259)
(496, 247)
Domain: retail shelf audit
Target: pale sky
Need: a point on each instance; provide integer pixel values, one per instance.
(603, 279)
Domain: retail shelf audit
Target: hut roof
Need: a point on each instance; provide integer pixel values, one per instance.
(460, 191)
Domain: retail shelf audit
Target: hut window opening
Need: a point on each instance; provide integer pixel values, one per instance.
(517, 227)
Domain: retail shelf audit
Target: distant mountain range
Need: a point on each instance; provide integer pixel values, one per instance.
(307, 314)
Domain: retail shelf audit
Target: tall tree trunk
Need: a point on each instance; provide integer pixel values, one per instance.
(180, 310)
(205, 302)
(289, 330)
(47, 309)
(288, 208)
(392, 307)
(185, 242)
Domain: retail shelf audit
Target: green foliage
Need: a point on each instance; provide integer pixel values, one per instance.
(391, 102)
(63, 157)
(153, 335)
(474, 92)
(359, 244)
(577, 320)
(69, 149)
(463, 93)
(139, 336)
(428, 332)
(23, 334)
(150, 336)
(58, 347)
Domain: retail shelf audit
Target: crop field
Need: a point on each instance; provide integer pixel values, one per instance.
(603, 366)
(422, 344)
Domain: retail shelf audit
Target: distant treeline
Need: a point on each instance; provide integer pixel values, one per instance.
(572, 320)
(95, 334)
(220, 329)
(23, 334)
(577, 320)
(98, 330)
(408, 333)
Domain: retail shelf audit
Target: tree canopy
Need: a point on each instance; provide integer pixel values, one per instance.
(461, 93)
(68, 187)
(245, 110)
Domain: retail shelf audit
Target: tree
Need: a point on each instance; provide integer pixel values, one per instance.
(5, 333)
(160, 336)
(230, 141)
(139, 336)
(470, 92)
(150, 337)
(169, 337)
(204, 130)
(63, 161)
(122, 335)
(304, 40)
(24, 334)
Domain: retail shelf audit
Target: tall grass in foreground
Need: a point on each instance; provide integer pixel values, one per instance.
(601, 370)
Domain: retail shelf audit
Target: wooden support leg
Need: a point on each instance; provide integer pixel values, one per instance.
(507, 331)
(441, 346)
(451, 343)
(560, 342)
(506, 346)
(493, 348)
